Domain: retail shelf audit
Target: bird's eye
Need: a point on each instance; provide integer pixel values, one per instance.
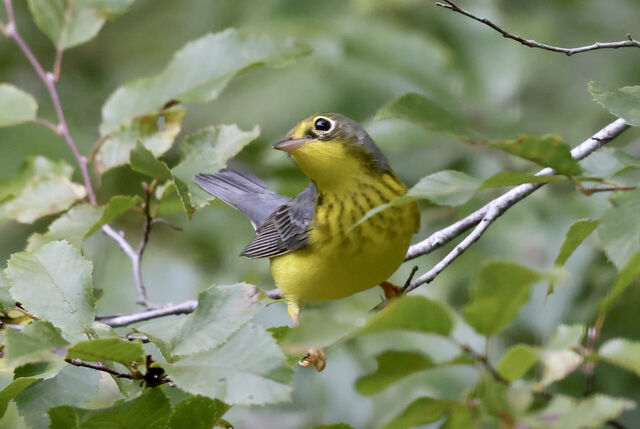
(322, 124)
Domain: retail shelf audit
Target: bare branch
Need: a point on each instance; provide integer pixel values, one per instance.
(47, 124)
(49, 80)
(504, 202)
(127, 319)
(628, 43)
(137, 261)
(99, 367)
(483, 360)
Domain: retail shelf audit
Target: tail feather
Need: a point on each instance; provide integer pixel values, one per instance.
(242, 191)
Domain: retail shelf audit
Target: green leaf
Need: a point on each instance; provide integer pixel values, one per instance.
(567, 337)
(446, 188)
(109, 9)
(623, 102)
(626, 278)
(156, 131)
(557, 364)
(323, 326)
(248, 369)
(198, 73)
(421, 111)
(117, 206)
(113, 349)
(420, 412)
(392, 366)
(515, 178)
(6, 300)
(221, 311)
(66, 23)
(461, 416)
(35, 343)
(619, 228)
(71, 226)
(41, 188)
(499, 291)
(12, 390)
(151, 410)
(517, 361)
(492, 396)
(207, 151)
(411, 313)
(143, 161)
(334, 426)
(575, 236)
(31, 168)
(622, 352)
(71, 386)
(548, 151)
(54, 284)
(592, 412)
(16, 106)
(197, 412)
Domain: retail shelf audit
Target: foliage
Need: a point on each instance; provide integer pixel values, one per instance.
(459, 112)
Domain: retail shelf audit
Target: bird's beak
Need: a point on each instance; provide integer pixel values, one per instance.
(291, 144)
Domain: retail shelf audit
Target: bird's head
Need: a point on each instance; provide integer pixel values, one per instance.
(331, 148)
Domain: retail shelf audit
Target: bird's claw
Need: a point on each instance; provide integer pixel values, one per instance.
(315, 357)
(390, 290)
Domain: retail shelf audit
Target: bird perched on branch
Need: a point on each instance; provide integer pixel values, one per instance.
(318, 251)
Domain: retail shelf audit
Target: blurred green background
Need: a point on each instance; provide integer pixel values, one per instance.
(365, 53)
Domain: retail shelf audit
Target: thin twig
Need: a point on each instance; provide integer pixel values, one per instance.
(127, 319)
(589, 191)
(166, 222)
(99, 367)
(628, 43)
(57, 63)
(137, 261)
(48, 78)
(497, 207)
(483, 360)
(47, 124)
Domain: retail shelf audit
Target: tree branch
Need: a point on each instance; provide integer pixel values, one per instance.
(484, 216)
(127, 319)
(628, 43)
(99, 367)
(10, 30)
(137, 260)
(483, 360)
(49, 80)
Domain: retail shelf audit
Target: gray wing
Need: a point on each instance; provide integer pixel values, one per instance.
(287, 229)
(244, 192)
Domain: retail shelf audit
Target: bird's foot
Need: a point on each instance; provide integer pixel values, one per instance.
(315, 357)
(390, 290)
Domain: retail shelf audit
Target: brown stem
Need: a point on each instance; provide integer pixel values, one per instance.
(100, 367)
(49, 80)
(628, 43)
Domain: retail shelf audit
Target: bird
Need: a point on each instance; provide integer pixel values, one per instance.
(317, 247)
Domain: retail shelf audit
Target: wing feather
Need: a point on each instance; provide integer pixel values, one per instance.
(286, 229)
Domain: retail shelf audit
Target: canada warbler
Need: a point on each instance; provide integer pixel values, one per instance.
(316, 252)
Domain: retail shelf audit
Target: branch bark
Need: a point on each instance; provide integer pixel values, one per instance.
(127, 319)
(484, 216)
(628, 43)
(100, 367)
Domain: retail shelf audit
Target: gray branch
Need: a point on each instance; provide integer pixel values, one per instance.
(126, 319)
(486, 215)
(628, 43)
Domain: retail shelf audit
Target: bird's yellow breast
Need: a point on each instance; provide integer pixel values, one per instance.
(340, 260)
